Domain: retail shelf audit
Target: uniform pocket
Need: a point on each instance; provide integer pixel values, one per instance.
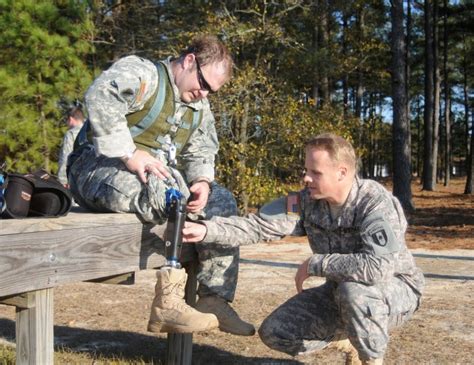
(377, 310)
(117, 189)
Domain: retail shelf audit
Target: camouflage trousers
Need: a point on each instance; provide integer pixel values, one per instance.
(309, 321)
(104, 184)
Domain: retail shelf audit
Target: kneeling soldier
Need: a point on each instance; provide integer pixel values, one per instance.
(356, 230)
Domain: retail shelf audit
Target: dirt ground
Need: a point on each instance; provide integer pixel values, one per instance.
(109, 321)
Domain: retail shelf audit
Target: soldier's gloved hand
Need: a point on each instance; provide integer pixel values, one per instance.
(200, 194)
(194, 232)
(142, 162)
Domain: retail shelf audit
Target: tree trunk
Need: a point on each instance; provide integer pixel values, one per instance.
(447, 129)
(243, 139)
(44, 130)
(419, 141)
(345, 77)
(469, 151)
(360, 86)
(401, 125)
(428, 182)
(324, 32)
(408, 76)
(470, 166)
(436, 93)
(466, 107)
(315, 43)
(447, 100)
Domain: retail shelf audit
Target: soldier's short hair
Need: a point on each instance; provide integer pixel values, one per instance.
(338, 148)
(71, 109)
(209, 49)
(76, 113)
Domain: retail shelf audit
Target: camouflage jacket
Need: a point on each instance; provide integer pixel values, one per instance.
(125, 88)
(364, 243)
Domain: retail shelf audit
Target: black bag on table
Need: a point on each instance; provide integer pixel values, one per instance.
(34, 195)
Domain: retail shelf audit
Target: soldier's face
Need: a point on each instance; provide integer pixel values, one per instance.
(73, 122)
(322, 175)
(196, 81)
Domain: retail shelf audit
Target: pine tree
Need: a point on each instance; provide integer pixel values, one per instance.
(44, 46)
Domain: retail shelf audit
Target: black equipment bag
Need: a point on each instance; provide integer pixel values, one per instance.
(34, 195)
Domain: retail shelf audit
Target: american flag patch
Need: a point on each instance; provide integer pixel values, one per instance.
(293, 203)
(141, 91)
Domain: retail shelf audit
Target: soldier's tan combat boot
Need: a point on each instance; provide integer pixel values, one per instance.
(345, 346)
(169, 311)
(229, 320)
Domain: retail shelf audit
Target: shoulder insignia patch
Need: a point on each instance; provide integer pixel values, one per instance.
(380, 237)
(377, 233)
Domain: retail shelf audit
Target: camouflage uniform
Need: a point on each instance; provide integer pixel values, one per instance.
(372, 283)
(101, 182)
(66, 148)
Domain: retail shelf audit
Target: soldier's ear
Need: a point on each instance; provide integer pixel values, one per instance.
(342, 173)
(188, 60)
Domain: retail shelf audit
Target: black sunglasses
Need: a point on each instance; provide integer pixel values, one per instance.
(203, 84)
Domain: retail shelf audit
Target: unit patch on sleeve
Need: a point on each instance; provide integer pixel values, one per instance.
(380, 237)
(377, 233)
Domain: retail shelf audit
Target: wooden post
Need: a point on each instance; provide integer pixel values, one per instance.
(180, 345)
(34, 329)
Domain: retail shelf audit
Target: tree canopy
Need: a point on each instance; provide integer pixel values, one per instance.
(44, 51)
(302, 67)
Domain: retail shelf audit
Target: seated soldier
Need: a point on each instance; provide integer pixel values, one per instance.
(150, 129)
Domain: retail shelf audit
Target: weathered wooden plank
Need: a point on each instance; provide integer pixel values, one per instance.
(34, 330)
(25, 300)
(73, 220)
(122, 279)
(44, 259)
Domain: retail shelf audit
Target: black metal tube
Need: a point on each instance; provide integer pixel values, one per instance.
(173, 233)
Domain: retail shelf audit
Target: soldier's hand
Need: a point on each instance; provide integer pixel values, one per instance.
(200, 194)
(301, 275)
(142, 162)
(194, 232)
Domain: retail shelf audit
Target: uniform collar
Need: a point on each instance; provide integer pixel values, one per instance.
(346, 216)
(354, 192)
(350, 206)
(196, 105)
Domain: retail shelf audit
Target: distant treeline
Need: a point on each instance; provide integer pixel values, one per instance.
(302, 67)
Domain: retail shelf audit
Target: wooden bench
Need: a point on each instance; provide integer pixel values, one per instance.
(37, 254)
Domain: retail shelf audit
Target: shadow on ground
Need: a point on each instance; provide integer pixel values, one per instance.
(442, 216)
(131, 346)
